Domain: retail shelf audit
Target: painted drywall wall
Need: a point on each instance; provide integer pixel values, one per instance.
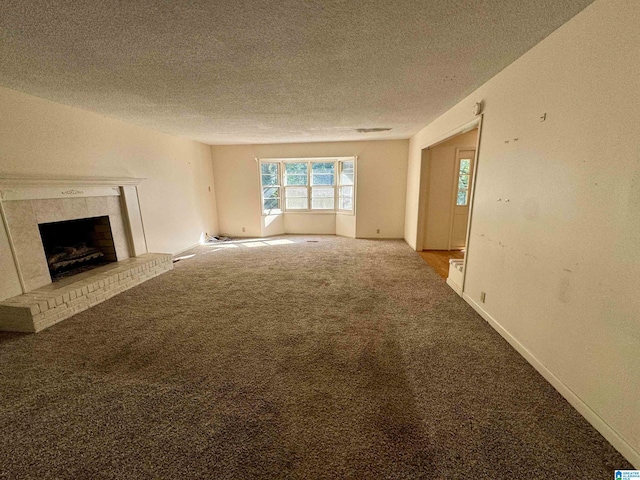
(321, 224)
(43, 137)
(440, 190)
(380, 196)
(559, 261)
(346, 225)
(272, 225)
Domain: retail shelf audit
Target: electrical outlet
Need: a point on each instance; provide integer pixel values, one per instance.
(244, 229)
(209, 188)
(483, 296)
(378, 230)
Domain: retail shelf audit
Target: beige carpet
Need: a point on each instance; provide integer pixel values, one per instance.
(336, 358)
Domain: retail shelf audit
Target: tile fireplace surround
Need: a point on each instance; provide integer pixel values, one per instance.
(26, 202)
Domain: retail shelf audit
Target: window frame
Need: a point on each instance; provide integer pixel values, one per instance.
(457, 179)
(313, 187)
(285, 187)
(278, 187)
(337, 185)
(340, 186)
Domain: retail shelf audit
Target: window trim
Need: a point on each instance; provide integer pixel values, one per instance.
(284, 188)
(457, 181)
(339, 186)
(278, 186)
(337, 161)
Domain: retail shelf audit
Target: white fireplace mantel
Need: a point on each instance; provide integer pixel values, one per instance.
(38, 187)
(17, 190)
(11, 180)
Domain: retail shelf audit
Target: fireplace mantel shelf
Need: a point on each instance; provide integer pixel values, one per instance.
(17, 181)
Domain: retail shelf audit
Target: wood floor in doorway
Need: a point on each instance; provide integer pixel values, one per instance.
(439, 259)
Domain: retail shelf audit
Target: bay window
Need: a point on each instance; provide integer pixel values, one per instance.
(308, 184)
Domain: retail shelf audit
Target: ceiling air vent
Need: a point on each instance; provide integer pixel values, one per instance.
(372, 130)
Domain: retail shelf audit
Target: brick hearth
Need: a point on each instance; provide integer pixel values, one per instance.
(45, 306)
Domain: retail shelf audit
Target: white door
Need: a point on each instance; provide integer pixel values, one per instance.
(461, 193)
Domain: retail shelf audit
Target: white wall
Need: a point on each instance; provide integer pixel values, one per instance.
(42, 137)
(272, 225)
(380, 196)
(560, 261)
(322, 224)
(440, 190)
(346, 225)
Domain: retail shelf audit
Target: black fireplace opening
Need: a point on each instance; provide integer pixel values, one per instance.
(75, 246)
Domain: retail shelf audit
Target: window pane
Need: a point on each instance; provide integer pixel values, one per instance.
(322, 179)
(296, 168)
(270, 192)
(463, 182)
(346, 173)
(346, 191)
(462, 197)
(322, 203)
(323, 167)
(295, 179)
(269, 169)
(271, 204)
(346, 178)
(322, 192)
(295, 173)
(465, 166)
(297, 198)
(347, 167)
(269, 180)
(297, 203)
(346, 203)
(296, 192)
(322, 173)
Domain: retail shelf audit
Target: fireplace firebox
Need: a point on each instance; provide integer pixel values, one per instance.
(75, 246)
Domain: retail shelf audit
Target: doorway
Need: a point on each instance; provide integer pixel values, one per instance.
(448, 170)
(449, 181)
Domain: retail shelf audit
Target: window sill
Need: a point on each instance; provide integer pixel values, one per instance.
(310, 212)
(273, 212)
(317, 212)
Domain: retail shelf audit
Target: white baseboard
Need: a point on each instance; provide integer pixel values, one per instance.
(591, 416)
(378, 237)
(455, 286)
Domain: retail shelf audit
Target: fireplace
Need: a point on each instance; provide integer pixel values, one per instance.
(75, 246)
(54, 227)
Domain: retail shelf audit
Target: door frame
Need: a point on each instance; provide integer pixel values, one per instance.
(425, 171)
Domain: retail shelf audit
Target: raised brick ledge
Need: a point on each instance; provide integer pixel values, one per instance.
(48, 305)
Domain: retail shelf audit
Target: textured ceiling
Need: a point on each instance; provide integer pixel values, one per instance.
(267, 71)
